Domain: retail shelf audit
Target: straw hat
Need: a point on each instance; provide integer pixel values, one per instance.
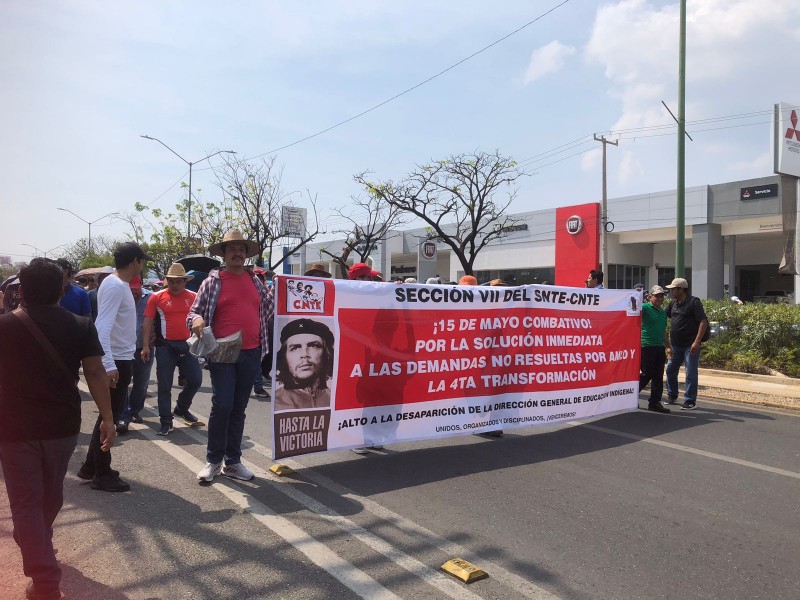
(234, 235)
(176, 271)
(317, 270)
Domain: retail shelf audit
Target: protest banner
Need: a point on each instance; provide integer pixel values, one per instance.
(362, 363)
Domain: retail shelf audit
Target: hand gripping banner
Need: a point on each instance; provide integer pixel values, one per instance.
(360, 363)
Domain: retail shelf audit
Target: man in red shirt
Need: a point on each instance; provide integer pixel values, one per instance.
(231, 300)
(172, 305)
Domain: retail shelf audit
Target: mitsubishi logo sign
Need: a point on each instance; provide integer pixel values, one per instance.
(574, 225)
(793, 131)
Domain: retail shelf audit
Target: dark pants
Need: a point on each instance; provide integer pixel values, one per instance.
(168, 357)
(652, 371)
(94, 455)
(231, 385)
(139, 382)
(34, 475)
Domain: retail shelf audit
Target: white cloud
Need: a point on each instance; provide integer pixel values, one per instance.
(752, 167)
(547, 59)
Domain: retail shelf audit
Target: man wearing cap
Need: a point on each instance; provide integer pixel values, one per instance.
(230, 300)
(305, 365)
(654, 355)
(116, 328)
(172, 305)
(140, 377)
(688, 324)
(362, 272)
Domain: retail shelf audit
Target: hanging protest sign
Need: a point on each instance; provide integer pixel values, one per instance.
(362, 363)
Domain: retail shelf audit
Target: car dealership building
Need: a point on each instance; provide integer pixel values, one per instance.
(737, 235)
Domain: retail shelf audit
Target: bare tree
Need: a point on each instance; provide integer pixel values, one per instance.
(369, 220)
(456, 198)
(259, 203)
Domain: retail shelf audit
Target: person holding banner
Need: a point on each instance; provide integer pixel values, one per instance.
(231, 300)
(654, 354)
(305, 365)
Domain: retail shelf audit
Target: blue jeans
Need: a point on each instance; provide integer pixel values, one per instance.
(168, 357)
(258, 384)
(34, 475)
(231, 385)
(139, 382)
(679, 356)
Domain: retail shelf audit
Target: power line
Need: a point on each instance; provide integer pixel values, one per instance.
(414, 87)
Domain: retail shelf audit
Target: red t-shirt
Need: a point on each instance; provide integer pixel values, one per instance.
(237, 309)
(173, 311)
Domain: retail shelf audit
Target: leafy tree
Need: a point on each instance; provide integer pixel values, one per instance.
(101, 254)
(459, 200)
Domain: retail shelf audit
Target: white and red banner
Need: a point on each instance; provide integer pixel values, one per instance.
(411, 362)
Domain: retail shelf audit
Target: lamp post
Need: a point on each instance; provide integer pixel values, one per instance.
(44, 252)
(89, 223)
(191, 164)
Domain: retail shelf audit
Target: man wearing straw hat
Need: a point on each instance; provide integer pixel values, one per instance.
(231, 300)
(171, 306)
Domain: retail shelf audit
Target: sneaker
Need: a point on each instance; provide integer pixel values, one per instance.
(122, 426)
(210, 471)
(361, 450)
(688, 406)
(165, 429)
(657, 407)
(672, 399)
(188, 417)
(87, 473)
(135, 418)
(261, 392)
(35, 592)
(109, 483)
(238, 471)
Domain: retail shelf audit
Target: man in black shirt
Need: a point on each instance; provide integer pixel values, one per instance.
(40, 413)
(688, 324)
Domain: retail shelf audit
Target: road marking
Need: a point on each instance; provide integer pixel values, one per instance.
(322, 556)
(689, 449)
(520, 585)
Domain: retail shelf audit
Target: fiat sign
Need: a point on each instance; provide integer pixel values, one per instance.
(574, 225)
(428, 250)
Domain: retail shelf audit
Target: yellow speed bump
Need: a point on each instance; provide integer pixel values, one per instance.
(465, 571)
(281, 470)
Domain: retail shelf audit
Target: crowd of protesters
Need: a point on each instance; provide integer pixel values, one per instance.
(116, 329)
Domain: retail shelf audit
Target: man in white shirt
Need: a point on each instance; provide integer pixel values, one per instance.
(116, 328)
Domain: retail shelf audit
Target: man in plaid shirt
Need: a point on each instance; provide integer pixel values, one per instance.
(231, 300)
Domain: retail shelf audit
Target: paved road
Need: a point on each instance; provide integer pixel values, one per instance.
(691, 505)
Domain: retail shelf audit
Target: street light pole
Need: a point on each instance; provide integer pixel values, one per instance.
(191, 164)
(89, 223)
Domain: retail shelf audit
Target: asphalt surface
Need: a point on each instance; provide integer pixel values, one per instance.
(700, 504)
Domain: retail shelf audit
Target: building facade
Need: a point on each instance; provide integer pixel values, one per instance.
(737, 235)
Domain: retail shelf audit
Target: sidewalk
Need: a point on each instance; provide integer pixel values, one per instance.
(766, 390)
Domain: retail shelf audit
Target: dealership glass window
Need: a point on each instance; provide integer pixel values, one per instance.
(521, 276)
(624, 277)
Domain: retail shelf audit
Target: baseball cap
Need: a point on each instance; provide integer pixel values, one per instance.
(678, 282)
(657, 289)
(136, 282)
(359, 270)
(127, 252)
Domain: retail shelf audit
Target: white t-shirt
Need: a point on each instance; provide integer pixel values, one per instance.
(116, 321)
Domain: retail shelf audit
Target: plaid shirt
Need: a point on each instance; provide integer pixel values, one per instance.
(205, 303)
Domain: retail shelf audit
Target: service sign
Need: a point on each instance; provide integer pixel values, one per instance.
(759, 191)
(367, 363)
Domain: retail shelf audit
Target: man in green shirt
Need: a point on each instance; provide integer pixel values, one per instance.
(654, 354)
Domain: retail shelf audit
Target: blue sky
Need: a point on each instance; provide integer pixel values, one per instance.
(83, 79)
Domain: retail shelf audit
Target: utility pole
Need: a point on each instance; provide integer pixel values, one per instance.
(604, 209)
(680, 220)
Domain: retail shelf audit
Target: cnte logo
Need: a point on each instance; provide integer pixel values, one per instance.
(574, 225)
